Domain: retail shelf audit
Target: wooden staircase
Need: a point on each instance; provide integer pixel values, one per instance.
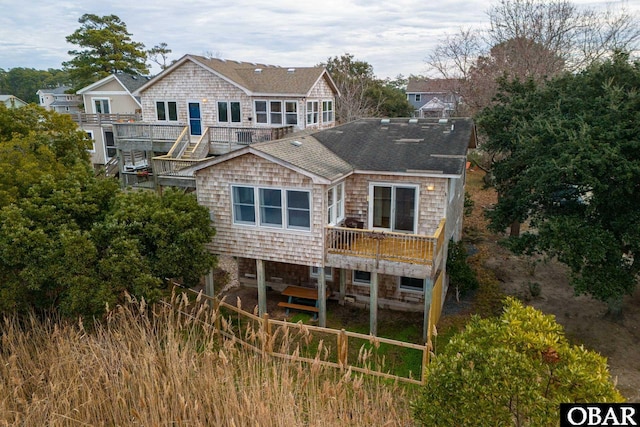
(188, 153)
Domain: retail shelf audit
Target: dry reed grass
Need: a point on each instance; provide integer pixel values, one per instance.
(157, 367)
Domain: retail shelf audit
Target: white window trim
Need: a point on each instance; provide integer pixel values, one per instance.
(101, 99)
(335, 219)
(328, 273)
(412, 290)
(229, 116)
(393, 184)
(166, 111)
(314, 113)
(418, 97)
(90, 133)
(332, 111)
(285, 114)
(106, 147)
(284, 207)
(359, 282)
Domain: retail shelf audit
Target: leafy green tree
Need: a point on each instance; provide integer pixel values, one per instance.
(25, 82)
(567, 161)
(171, 231)
(76, 243)
(512, 370)
(389, 101)
(461, 275)
(35, 143)
(106, 48)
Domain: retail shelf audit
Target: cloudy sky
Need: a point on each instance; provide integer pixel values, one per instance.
(394, 36)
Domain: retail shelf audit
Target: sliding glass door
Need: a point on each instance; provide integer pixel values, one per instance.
(393, 207)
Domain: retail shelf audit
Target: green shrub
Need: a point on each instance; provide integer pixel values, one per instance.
(461, 276)
(511, 370)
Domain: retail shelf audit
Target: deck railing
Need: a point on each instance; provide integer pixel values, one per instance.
(166, 166)
(148, 132)
(384, 245)
(245, 135)
(99, 119)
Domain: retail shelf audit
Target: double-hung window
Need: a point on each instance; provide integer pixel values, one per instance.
(312, 112)
(271, 207)
(291, 112)
(244, 205)
(275, 112)
(93, 141)
(229, 112)
(335, 204)
(327, 111)
(298, 210)
(167, 111)
(261, 112)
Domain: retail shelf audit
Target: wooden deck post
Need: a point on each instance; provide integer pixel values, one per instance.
(208, 284)
(322, 298)
(428, 294)
(262, 287)
(343, 286)
(373, 304)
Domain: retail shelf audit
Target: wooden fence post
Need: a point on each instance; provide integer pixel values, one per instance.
(343, 348)
(425, 360)
(217, 321)
(266, 340)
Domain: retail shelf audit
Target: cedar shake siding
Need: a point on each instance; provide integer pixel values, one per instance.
(192, 83)
(431, 207)
(269, 244)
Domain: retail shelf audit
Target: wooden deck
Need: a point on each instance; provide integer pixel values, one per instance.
(387, 246)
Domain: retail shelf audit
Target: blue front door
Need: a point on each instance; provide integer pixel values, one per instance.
(195, 122)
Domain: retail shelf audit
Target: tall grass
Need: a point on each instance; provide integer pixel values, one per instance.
(156, 367)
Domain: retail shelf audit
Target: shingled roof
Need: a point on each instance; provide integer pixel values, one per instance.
(258, 79)
(307, 153)
(413, 146)
(402, 145)
(423, 85)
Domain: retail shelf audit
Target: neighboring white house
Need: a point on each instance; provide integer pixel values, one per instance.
(57, 99)
(107, 101)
